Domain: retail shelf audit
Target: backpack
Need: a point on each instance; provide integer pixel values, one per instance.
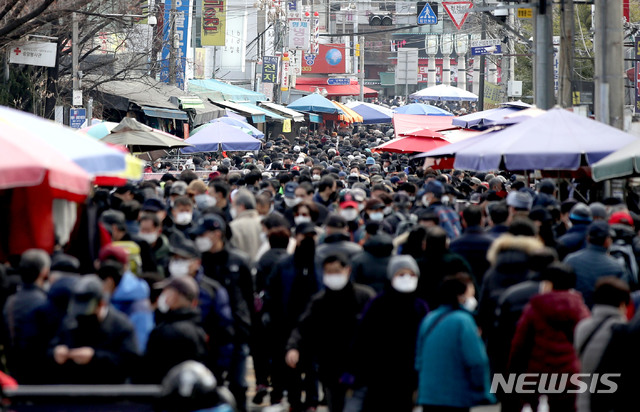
(623, 253)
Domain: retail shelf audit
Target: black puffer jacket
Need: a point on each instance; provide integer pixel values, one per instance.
(370, 266)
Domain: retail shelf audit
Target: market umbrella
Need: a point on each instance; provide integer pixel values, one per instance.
(621, 163)
(411, 144)
(484, 118)
(233, 115)
(315, 103)
(100, 129)
(443, 92)
(519, 116)
(371, 113)
(415, 125)
(422, 109)
(220, 136)
(139, 137)
(246, 127)
(134, 170)
(350, 116)
(556, 140)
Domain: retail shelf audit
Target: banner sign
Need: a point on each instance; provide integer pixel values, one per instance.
(284, 82)
(270, 69)
(330, 59)
(34, 54)
(182, 30)
(637, 82)
(299, 32)
(214, 18)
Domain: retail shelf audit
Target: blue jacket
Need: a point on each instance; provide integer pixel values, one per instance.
(572, 241)
(132, 298)
(452, 364)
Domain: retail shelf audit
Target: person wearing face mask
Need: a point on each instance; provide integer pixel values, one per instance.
(246, 225)
(337, 239)
(182, 217)
(23, 313)
(178, 336)
(230, 268)
(154, 246)
(432, 201)
(304, 212)
(292, 283)
(383, 352)
(373, 216)
(451, 360)
(96, 343)
(326, 194)
(350, 212)
(327, 326)
(305, 191)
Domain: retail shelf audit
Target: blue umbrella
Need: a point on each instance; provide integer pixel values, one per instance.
(422, 109)
(315, 103)
(246, 127)
(372, 114)
(233, 115)
(484, 118)
(215, 136)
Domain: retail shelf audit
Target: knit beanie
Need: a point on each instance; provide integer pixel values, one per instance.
(402, 262)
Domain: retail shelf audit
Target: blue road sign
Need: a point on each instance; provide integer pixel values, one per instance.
(77, 117)
(339, 81)
(427, 16)
(483, 50)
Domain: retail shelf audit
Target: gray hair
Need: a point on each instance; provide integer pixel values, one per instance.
(245, 198)
(32, 263)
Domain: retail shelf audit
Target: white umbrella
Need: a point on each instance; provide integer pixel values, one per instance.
(444, 93)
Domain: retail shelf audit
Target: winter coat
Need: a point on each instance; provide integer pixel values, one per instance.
(246, 229)
(326, 329)
(384, 350)
(434, 267)
(370, 266)
(131, 297)
(176, 338)
(603, 317)
(572, 241)
(451, 361)
(590, 264)
(509, 258)
(116, 355)
(473, 245)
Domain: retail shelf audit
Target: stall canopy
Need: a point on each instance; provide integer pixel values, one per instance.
(201, 110)
(215, 90)
(484, 118)
(349, 115)
(371, 113)
(268, 113)
(216, 136)
(315, 103)
(411, 144)
(556, 140)
(312, 85)
(624, 162)
(153, 98)
(412, 124)
(141, 138)
(244, 126)
(285, 111)
(257, 115)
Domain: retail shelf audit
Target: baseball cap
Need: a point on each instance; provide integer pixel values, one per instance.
(476, 181)
(183, 247)
(208, 223)
(349, 203)
(581, 213)
(185, 285)
(290, 190)
(370, 160)
(358, 194)
(394, 179)
(621, 217)
(336, 221)
(178, 188)
(434, 187)
(153, 204)
(305, 228)
(520, 200)
(112, 252)
(86, 295)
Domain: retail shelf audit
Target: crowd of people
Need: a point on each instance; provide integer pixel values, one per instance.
(351, 278)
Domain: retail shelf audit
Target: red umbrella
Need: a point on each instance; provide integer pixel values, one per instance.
(411, 144)
(410, 124)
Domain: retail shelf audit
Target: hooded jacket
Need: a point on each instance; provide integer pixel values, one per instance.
(131, 297)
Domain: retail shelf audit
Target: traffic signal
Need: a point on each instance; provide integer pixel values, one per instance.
(380, 20)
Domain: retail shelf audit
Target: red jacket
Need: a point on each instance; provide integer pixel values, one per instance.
(543, 341)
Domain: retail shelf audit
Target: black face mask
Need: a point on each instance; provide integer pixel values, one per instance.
(88, 322)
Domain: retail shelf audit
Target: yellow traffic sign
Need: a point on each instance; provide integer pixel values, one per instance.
(525, 13)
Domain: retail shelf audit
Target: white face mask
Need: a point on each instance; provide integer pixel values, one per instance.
(425, 201)
(184, 218)
(405, 283)
(233, 212)
(301, 219)
(204, 244)
(150, 238)
(335, 281)
(387, 210)
(292, 202)
(470, 304)
(376, 216)
(354, 174)
(349, 214)
(163, 306)
(315, 177)
(179, 267)
(263, 237)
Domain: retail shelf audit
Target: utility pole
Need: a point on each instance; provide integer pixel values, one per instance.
(482, 63)
(172, 43)
(567, 34)
(361, 74)
(74, 51)
(609, 64)
(543, 75)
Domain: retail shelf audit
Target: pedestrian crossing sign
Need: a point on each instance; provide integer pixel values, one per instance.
(427, 16)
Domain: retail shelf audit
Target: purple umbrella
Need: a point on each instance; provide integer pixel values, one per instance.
(484, 118)
(213, 136)
(233, 115)
(556, 140)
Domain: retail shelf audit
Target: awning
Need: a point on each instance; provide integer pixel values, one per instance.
(296, 116)
(333, 90)
(270, 115)
(164, 113)
(257, 115)
(207, 113)
(349, 115)
(190, 102)
(314, 118)
(219, 91)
